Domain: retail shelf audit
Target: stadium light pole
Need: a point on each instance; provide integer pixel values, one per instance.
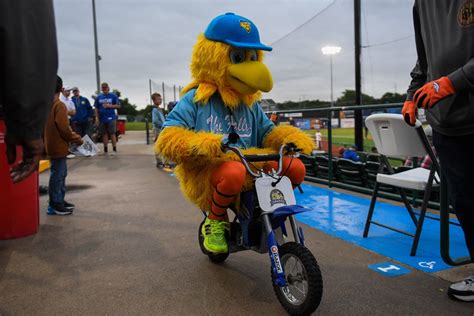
(331, 50)
(97, 56)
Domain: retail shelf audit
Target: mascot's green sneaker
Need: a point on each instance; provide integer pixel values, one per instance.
(214, 235)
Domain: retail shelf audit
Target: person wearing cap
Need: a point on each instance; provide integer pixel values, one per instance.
(106, 117)
(65, 98)
(84, 113)
(443, 84)
(220, 106)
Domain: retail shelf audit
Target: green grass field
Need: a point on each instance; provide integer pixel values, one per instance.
(135, 126)
(343, 136)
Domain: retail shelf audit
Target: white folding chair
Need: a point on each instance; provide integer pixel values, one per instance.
(394, 138)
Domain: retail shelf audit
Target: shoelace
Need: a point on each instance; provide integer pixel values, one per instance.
(469, 280)
(220, 227)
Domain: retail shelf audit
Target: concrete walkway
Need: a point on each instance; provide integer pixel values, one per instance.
(131, 248)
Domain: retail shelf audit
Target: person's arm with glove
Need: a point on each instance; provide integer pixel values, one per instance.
(436, 90)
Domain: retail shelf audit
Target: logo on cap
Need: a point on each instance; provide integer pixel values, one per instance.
(245, 25)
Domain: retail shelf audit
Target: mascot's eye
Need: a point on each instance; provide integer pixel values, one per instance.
(252, 55)
(237, 56)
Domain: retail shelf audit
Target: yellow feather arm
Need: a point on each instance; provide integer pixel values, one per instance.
(179, 144)
(285, 134)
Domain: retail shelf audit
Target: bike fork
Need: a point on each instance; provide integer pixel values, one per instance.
(277, 267)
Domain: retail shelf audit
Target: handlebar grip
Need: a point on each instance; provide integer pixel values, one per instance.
(291, 147)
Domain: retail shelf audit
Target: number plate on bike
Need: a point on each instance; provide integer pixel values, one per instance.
(272, 196)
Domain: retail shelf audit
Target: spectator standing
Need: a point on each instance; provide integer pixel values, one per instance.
(157, 117)
(81, 120)
(351, 154)
(66, 100)
(106, 117)
(57, 137)
(319, 139)
(28, 66)
(443, 84)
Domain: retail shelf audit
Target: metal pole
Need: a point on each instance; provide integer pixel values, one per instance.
(147, 132)
(149, 84)
(174, 92)
(330, 166)
(332, 96)
(97, 57)
(163, 96)
(359, 139)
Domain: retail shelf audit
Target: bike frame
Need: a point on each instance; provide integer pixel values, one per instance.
(275, 219)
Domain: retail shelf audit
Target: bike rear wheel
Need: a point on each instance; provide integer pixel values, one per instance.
(304, 289)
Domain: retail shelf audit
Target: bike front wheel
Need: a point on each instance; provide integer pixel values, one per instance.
(304, 290)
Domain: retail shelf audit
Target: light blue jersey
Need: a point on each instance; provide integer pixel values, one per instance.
(250, 123)
(157, 118)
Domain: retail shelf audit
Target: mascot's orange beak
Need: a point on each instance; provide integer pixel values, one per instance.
(249, 77)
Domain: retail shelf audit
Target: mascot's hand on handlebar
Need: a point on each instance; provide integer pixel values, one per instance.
(432, 92)
(286, 134)
(292, 148)
(207, 145)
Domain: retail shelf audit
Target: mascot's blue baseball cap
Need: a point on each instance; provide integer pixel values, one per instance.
(235, 30)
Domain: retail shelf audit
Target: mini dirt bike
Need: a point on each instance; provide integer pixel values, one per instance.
(260, 225)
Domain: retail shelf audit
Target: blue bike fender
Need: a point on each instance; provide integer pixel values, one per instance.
(280, 214)
(288, 210)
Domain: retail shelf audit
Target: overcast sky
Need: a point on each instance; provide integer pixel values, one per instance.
(151, 39)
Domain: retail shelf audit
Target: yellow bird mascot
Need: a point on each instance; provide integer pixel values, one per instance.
(222, 99)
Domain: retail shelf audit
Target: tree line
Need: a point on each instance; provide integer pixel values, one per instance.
(346, 99)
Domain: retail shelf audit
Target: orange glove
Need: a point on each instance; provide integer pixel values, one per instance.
(432, 92)
(409, 112)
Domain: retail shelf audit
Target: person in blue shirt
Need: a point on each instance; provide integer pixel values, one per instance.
(350, 153)
(81, 120)
(157, 117)
(157, 120)
(106, 105)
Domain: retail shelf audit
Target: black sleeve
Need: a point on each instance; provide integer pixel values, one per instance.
(28, 65)
(418, 74)
(463, 78)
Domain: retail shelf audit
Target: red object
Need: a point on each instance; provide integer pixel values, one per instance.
(19, 203)
(121, 126)
(432, 92)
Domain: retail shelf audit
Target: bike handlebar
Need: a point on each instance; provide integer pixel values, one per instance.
(259, 158)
